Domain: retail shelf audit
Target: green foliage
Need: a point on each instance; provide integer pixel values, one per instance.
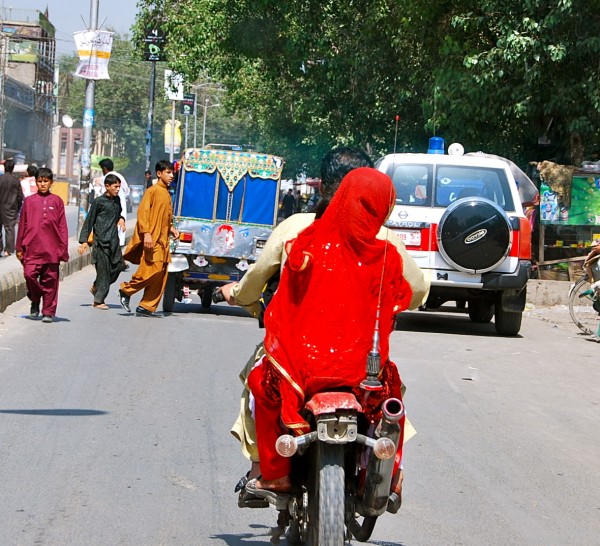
(302, 76)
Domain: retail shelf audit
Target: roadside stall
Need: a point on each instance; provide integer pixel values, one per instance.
(569, 219)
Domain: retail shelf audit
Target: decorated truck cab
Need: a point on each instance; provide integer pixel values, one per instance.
(225, 206)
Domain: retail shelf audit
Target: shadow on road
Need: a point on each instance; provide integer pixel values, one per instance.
(221, 309)
(55, 412)
(247, 539)
(448, 321)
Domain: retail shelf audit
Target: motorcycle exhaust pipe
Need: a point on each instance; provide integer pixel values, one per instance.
(393, 410)
(378, 478)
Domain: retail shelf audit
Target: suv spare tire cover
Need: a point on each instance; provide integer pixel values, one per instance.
(474, 235)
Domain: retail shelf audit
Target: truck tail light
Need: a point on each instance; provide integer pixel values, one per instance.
(185, 237)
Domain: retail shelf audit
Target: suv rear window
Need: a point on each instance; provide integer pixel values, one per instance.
(414, 185)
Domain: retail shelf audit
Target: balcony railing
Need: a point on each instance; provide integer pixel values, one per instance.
(19, 15)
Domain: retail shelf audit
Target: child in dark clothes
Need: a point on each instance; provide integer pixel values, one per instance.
(102, 222)
(42, 243)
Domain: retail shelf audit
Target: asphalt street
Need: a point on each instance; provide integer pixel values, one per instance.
(115, 429)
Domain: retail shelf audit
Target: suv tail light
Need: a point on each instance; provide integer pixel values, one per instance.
(524, 239)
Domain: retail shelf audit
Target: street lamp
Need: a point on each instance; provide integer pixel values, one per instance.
(206, 107)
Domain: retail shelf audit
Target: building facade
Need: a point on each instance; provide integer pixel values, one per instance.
(27, 63)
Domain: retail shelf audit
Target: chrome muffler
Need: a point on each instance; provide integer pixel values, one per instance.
(378, 478)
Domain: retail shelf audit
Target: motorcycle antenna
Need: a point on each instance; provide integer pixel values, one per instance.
(371, 382)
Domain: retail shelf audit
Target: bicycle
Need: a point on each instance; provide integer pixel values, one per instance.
(584, 306)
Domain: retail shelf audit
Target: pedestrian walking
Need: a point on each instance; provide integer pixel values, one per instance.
(11, 199)
(289, 204)
(28, 183)
(96, 188)
(103, 221)
(42, 243)
(299, 201)
(148, 182)
(108, 167)
(149, 247)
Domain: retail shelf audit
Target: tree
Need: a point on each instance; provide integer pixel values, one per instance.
(299, 70)
(310, 74)
(513, 73)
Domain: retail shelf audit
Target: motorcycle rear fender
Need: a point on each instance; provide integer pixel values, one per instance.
(329, 402)
(335, 413)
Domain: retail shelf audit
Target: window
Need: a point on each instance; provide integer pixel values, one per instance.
(412, 183)
(453, 182)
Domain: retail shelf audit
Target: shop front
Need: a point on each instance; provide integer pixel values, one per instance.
(569, 224)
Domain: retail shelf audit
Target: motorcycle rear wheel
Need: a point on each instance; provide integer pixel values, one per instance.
(326, 496)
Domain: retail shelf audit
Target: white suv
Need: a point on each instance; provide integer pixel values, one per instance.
(462, 221)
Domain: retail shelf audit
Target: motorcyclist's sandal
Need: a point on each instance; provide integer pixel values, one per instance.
(279, 500)
(242, 483)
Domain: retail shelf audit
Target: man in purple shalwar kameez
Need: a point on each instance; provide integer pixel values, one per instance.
(42, 243)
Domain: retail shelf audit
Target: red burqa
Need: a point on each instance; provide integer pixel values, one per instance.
(320, 323)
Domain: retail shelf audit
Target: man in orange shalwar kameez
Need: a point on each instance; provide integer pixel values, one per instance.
(149, 246)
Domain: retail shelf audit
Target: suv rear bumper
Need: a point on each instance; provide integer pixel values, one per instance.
(509, 287)
(506, 281)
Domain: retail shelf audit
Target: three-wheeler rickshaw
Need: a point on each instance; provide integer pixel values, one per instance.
(225, 206)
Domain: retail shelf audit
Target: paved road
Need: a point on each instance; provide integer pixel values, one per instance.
(115, 429)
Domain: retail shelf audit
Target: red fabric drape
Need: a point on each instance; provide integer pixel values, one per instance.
(320, 323)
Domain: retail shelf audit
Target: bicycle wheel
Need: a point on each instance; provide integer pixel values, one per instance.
(581, 306)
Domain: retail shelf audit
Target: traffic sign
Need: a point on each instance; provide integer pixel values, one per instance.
(154, 43)
(188, 104)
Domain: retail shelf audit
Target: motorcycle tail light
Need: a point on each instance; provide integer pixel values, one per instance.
(286, 445)
(384, 448)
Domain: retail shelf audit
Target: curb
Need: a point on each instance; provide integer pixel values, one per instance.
(548, 293)
(12, 283)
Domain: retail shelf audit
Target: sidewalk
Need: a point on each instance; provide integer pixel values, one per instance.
(12, 282)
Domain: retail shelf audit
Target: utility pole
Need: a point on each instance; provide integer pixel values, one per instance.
(3, 57)
(172, 152)
(88, 127)
(195, 114)
(154, 41)
(204, 122)
(150, 115)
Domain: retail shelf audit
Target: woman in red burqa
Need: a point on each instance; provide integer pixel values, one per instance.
(320, 323)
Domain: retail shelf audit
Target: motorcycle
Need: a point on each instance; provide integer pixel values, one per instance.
(342, 469)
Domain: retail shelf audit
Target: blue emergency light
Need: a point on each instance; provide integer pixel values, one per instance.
(436, 145)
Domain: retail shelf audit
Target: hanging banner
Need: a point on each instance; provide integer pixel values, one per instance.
(172, 137)
(94, 48)
(188, 104)
(154, 43)
(173, 85)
